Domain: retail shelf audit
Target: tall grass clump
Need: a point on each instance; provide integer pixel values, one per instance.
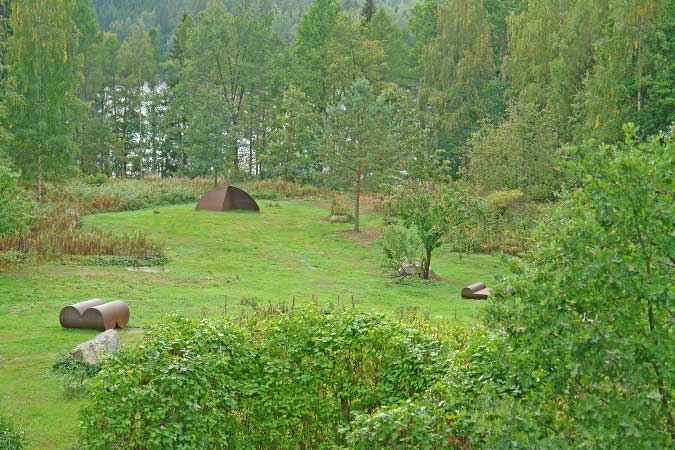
(61, 235)
(10, 438)
(279, 188)
(128, 194)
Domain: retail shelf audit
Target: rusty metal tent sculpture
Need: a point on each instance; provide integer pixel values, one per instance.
(95, 315)
(476, 291)
(225, 198)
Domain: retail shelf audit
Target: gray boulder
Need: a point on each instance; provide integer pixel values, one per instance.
(94, 350)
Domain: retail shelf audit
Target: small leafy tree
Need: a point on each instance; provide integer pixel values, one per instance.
(432, 211)
(400, 246)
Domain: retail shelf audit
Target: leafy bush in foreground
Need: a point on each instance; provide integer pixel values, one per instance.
(581, 356)
(594, 316)
(74, 374)
(289, 381)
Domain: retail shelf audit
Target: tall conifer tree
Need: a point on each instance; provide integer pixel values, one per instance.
(368, 10)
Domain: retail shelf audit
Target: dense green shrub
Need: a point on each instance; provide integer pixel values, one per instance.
(580, 350)
(593, 315)
(17, 209)
(521, 152)
(10, 438)
(74, 375)
(285, 381)
(401, 248)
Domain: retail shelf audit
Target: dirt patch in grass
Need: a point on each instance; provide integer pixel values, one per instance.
(365, 236)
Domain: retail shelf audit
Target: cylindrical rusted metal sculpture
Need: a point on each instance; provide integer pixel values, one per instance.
(226, 197)
(95, 315)
(71, 315)
(476, 291)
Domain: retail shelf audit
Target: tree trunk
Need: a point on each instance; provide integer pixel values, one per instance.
(250, 151)
(357, 201)
(39, 180)
(426, 264)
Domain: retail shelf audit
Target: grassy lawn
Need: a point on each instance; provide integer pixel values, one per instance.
(216, 260)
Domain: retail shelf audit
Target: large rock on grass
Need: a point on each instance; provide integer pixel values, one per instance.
(94, 350)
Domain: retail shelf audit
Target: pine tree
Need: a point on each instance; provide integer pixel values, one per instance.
(368, 11)
(359, 145)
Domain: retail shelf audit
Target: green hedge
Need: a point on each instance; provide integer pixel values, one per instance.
(286, 382)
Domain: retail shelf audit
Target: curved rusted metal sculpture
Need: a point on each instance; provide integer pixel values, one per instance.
(476, 291)
(95, 315)
(226, 197)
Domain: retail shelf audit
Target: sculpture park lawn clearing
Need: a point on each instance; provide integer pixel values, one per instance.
(220, 263)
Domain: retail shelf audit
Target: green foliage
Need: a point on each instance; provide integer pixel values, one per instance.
(281, 381)
(96, 180)
(521, 152)
(74, 375)
(596, 308)
(629, 55)
(401, 248)
(228, 60)
(433, 212)
(294, 139)
(41, 108)
(458, 74)
(419, 424)
(10, 438)
(454, 413)
(394, 41)
(310, 49)
(16, 208)
(500, 201)
(368, 10)
(339, 208)
(363, 142)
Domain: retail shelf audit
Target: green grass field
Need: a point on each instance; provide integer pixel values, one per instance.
(216, 260)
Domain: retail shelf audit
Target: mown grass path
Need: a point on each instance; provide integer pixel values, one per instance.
(217, 259)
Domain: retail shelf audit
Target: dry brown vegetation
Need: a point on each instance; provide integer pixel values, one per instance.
(61, 234)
